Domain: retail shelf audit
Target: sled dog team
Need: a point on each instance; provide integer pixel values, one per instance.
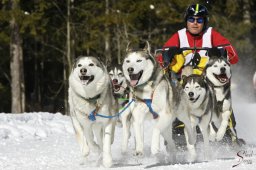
(98, 97)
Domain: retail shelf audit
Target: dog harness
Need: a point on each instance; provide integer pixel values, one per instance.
(94, 113)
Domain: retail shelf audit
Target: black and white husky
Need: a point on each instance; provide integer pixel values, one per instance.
(152, 94)
(121, 93)
(90, 95)
(218, 76)
(199, 106)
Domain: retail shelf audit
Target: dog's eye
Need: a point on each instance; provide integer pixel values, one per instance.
(79, 65)
(110, 74)
(225, 65)
(120, 74)
(91, 64)
(197, 87)
(139, 61)
(127, 61)
(215, 65)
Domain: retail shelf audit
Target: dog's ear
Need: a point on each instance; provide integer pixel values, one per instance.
(146, 47)
(223, 53)
(128, 47)
(184, 80)
(75, 62)
(215, 51)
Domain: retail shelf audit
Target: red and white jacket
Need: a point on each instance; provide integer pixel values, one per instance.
(209, 38)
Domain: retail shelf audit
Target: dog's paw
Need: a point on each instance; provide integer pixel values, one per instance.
(124, 149)
(212, 137)
(154, 150)
(139, 154)
(191, 155)
(107, 160)
(220, 135)
(96, 149)
(83, 161)
(192, 140)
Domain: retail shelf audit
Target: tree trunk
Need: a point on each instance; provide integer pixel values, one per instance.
(107, 38)
(246, 12)
(16, 65)
(68, 62)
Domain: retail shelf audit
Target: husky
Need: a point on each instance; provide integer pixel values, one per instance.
(153, 95)
(121, 93)
(218, 76)
(199, 104)
(90, 95)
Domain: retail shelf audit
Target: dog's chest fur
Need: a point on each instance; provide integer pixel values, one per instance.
(223, 99)
(145, 91)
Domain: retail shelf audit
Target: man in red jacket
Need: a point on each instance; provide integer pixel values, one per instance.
(197, 34)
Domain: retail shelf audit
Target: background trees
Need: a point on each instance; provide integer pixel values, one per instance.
(53, 33)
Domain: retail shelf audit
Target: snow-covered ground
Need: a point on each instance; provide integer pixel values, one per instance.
(33, 141)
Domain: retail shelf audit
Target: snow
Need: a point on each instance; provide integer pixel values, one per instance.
(35, 141)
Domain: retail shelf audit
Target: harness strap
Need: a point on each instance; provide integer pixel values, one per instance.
(148, 102)
(94, 113)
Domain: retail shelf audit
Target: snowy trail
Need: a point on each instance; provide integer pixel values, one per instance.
(40, 141)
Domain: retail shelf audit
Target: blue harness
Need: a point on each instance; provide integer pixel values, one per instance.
(92, 115)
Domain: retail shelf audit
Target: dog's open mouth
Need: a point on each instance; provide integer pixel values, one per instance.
(193, 100)
(222, 78)
(86, 79)
(117, 86)
(135, 78)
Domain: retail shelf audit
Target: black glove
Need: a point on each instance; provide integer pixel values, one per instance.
(169, 53)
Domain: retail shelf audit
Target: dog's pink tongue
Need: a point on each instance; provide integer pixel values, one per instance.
(133, 82)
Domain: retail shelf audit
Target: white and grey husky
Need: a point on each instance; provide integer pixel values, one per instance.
(199, 106)
(218, 76)
(121, 93)
(90, 95)
(152, 94)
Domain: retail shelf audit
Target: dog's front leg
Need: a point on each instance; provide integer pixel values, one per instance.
(80, 137)
(204, 124)
(191, 133)
(191, 148)
(88, 133)
(107, 157)
(138, 114)
(223, 126)
(161, 126)
(97, 128)
(212, 132)
(126, 130)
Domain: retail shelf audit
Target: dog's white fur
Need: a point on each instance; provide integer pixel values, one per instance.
(218, 75)
(198, 99)
(147, 81)
(90, 88)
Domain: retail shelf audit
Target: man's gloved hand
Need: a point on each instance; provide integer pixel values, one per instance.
(177, 63)
(201, 65)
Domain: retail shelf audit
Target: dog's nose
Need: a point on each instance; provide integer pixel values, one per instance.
(83, 71)
(130, 70)
(222, 70)
(190, 94)
(115, 81)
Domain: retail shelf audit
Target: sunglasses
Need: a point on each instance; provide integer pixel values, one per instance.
(198, 20)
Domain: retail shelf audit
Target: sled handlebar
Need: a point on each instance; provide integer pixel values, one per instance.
(179, 50)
